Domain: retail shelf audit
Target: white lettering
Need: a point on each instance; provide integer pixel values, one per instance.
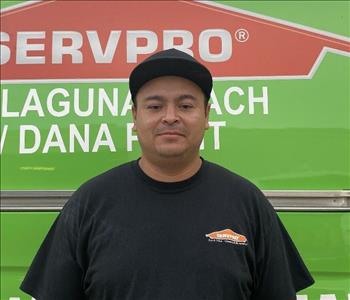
(74, 134)
(58, 103)
(63, 104)
(217, 126)
(3, 137)
(104, 131)
(204, 45)
(54, 139)
(202, 145)
(90, 103)
(133, 50)
(36, 106)
(23, 47)
(104, 99)
(252, 100)
(4, 106)
(23, 129)
(328, 297)
(227, 95)
(127, 105)
(138, 42)
(130, 138)
(58, 49)
(169, 37)
(215, 103)
(5, 52)
(95, 44)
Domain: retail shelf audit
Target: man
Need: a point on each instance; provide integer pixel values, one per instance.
(169, 226)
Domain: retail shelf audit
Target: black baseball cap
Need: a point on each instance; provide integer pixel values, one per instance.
(171, 62)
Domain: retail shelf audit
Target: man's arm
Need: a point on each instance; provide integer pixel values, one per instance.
(55, 272)
(281, 272)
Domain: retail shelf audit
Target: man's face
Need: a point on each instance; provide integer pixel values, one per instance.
(170, 117)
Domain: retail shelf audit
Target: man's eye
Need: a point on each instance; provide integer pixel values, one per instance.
(186, 106)
(153, 107)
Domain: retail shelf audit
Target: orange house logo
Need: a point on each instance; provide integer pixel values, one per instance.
(228, 236)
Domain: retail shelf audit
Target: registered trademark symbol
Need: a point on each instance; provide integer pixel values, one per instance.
(242, 35)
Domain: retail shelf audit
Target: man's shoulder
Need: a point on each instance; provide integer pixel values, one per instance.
(223, 175)
(111, 177)
(106, 183)
(228, 182)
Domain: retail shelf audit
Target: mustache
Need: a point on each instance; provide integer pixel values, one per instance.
(177, 129)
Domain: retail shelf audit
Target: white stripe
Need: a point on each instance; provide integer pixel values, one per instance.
(276, 20)
(19, 5)
(320, 58)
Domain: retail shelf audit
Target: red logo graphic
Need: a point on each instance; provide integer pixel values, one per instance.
(106, 40)
(227, 235)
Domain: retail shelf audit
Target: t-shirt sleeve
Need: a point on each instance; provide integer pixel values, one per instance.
(281, 272)
(55, 272)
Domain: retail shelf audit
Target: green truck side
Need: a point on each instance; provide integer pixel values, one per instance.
(298, 153)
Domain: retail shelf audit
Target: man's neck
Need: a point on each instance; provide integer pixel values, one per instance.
(170, 170)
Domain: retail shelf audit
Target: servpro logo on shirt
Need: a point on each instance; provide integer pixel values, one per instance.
(227, 236)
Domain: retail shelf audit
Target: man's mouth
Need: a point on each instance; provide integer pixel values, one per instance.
(171, 133)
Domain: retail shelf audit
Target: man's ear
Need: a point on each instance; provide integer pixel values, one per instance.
(207, 110)
(134, 112)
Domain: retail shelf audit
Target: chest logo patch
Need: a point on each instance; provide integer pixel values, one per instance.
(227, 236)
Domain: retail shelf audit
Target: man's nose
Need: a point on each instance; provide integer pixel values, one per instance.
(170, 115)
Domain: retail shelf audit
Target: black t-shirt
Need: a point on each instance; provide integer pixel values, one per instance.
(123, 235)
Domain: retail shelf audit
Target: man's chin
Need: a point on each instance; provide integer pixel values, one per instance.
(171, 151)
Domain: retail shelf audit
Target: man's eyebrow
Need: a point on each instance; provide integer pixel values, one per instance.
(154, 97)
(186, 96)
(178, 98)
